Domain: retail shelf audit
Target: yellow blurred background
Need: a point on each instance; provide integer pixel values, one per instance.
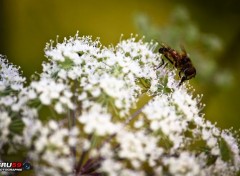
(26, 26)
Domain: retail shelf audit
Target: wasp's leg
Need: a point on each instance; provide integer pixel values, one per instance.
(165, 65)
(188, 74)
(184, 78)
(168, 58)
(160, 64)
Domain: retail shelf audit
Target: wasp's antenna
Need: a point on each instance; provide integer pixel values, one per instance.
(163, 44)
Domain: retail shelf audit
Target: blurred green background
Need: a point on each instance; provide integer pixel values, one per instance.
(209, 30)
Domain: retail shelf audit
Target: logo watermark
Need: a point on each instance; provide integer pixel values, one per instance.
(14, 166)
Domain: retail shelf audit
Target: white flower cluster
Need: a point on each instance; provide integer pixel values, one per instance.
(5, 121)
(176, 140)
(183, 165)
(11, 82)
(97, 120)
(10, 78)
(105, 74)
(49, 90)
(138, 147)
(97, 127)
(49, 145)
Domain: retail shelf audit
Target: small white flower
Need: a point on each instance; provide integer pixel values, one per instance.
(96, 92)
(97, 120)
(184, 165)
(45, 99)
(139, 123)
(10, 76)
(5, 121)
(211, 142)
(53, 125)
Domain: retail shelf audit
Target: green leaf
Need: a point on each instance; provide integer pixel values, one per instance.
(16, 125)
(226, 153)
(66, 64)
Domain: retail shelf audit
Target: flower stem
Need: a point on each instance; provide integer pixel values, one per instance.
(80, 162)
(135, 114)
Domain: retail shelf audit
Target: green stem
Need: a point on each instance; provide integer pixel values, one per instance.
(135, 114)
(81, 160)
(143, 83)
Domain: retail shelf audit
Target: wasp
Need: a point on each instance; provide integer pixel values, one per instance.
(181, 62)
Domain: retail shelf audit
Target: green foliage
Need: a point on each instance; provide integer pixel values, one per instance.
(225, 151)
(16, 125)
(66, 64)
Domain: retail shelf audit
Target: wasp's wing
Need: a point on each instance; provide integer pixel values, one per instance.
(184, 52)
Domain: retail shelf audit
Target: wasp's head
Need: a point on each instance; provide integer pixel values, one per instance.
(163, 50)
